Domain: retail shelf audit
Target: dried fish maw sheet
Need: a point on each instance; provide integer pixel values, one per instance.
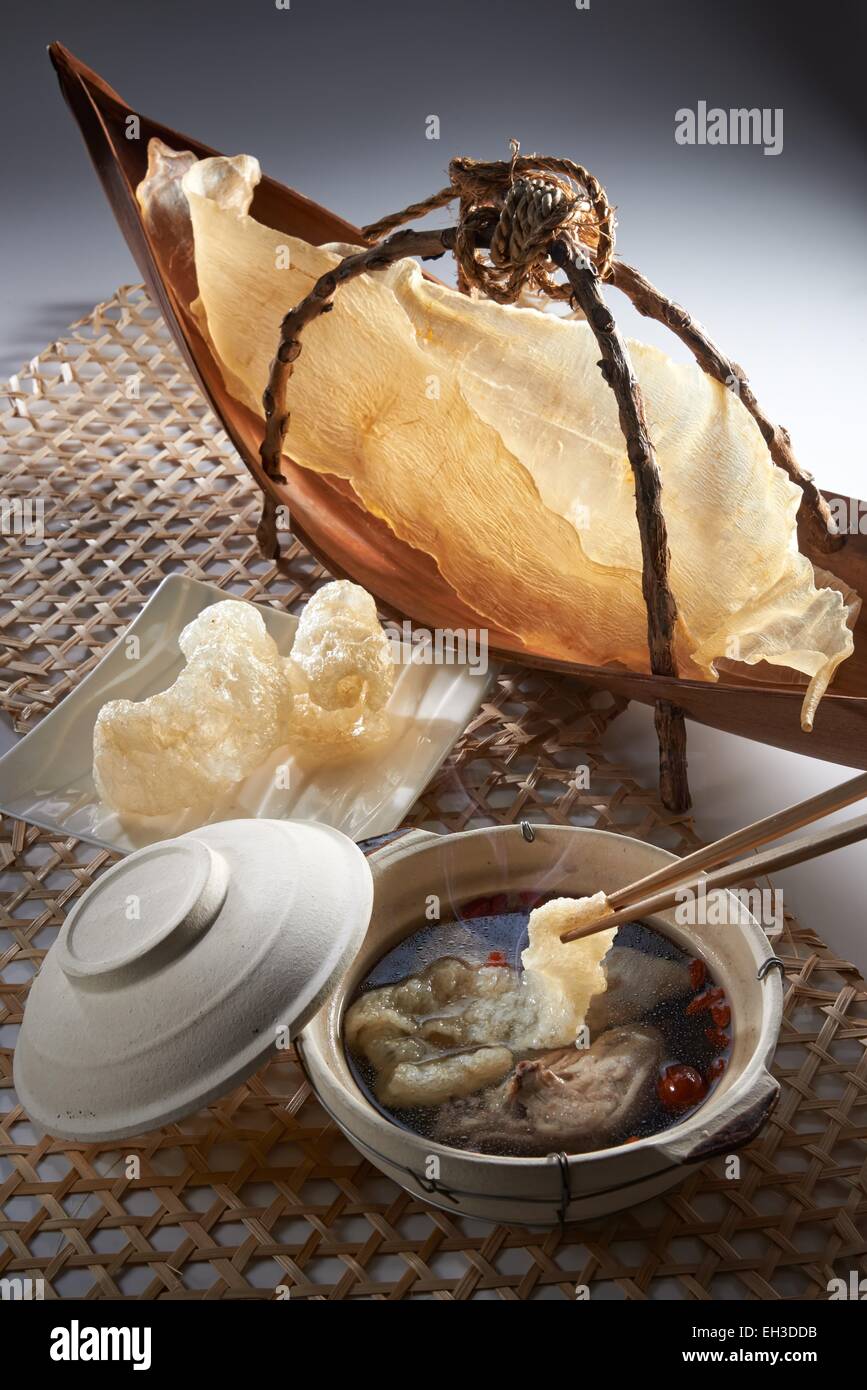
(565, 976)
(163, 203)
(368, 403)
(485, 436)
(742, 587)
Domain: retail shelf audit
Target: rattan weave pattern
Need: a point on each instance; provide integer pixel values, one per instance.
(260, 1191)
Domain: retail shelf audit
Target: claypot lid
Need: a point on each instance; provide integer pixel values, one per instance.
(180, 969)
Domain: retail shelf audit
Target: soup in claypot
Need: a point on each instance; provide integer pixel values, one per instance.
(482, 1035)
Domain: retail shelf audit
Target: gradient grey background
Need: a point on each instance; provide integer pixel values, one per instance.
(332, 97)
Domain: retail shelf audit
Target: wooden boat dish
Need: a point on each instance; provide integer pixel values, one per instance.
(353, 544)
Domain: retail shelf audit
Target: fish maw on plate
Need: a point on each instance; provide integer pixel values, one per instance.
(227, 710)
(341, 670)
(569, 1100)
(369, 403)
(484, 435)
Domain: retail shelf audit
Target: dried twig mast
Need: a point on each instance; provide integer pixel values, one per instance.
(519, 220)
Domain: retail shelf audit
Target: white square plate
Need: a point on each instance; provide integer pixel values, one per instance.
(46, 778)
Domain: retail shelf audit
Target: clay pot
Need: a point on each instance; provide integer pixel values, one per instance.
(570, 861)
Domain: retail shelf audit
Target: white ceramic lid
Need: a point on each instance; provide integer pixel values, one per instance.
(182, 968)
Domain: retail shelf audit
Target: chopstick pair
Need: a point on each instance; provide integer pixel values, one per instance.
(659, 891)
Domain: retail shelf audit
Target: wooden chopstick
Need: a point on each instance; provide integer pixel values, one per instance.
(730, 847)
(793, 852)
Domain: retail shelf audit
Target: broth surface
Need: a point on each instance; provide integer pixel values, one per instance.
(662, 1008)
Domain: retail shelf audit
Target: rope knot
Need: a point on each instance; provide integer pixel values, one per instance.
(518, 208)
(534, 209)
(511, 212)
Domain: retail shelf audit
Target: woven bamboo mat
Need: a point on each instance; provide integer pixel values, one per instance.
(124, 470)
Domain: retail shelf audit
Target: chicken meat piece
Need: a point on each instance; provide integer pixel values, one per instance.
(568, 1100)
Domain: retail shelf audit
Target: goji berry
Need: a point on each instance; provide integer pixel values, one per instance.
(697, 974)
(705, 1001)
(680, 1087)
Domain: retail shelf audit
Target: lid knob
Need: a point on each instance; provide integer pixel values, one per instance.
(174, 889)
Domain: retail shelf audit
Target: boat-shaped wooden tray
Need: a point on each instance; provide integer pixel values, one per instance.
(353, 544)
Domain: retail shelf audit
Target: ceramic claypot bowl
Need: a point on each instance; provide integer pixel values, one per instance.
(542, 1191)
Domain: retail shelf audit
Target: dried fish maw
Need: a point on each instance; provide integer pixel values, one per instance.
(368, 404)
(438, 1079)
(341, 670)
(228, 709)
(730, 512)
(485, 436)
(166, 214)
(565, 976)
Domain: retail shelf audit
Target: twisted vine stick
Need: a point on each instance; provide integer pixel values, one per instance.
(816, 523)
(427, 245)
(616, 367)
